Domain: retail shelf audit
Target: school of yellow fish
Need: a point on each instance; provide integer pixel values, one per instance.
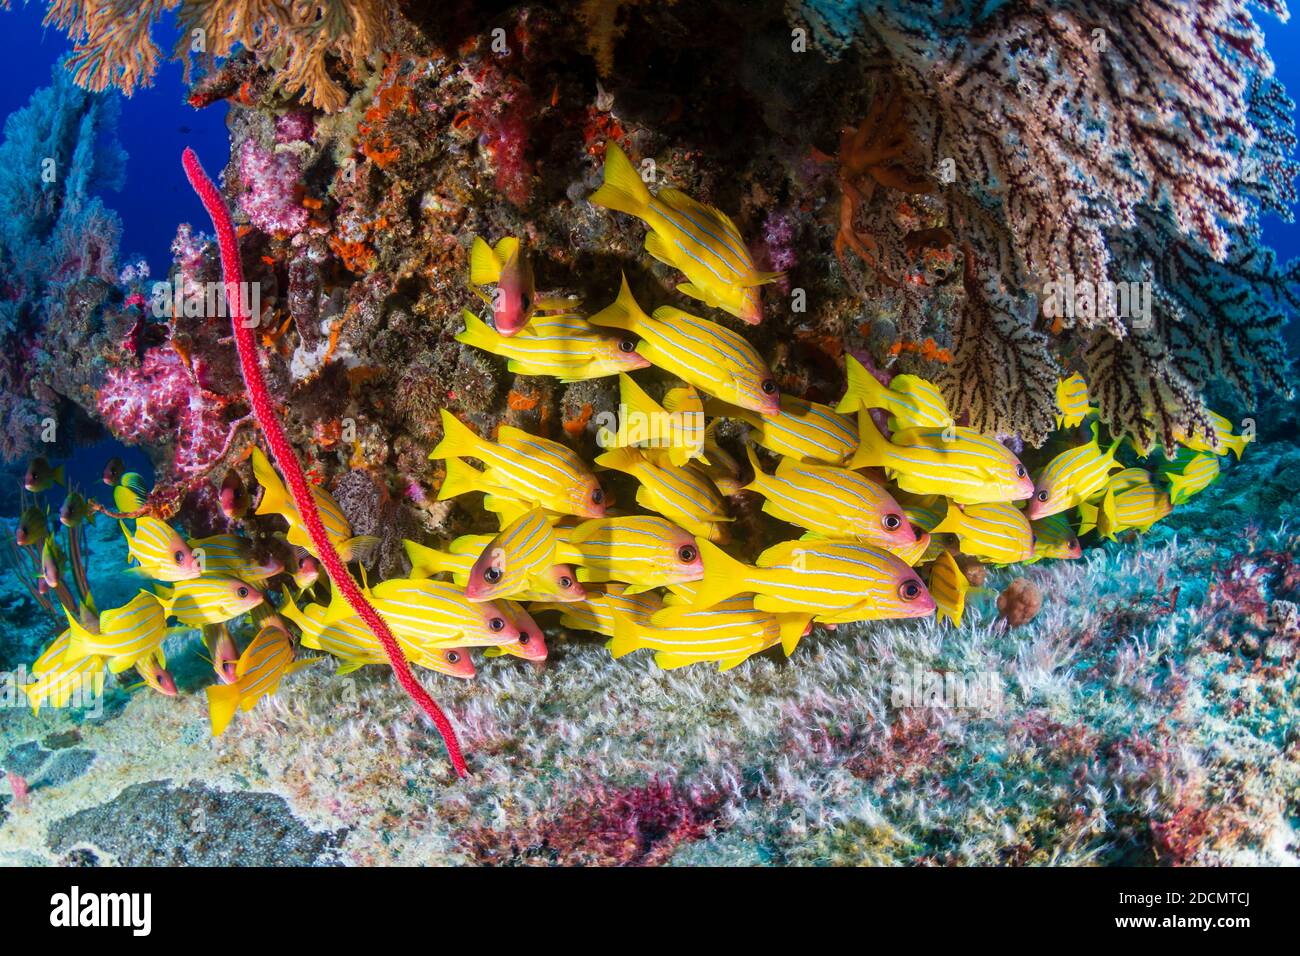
(878, 494)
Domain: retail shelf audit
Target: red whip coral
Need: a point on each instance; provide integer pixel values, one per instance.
(287, 459)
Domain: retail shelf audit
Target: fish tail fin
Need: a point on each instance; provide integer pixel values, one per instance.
(872, 445)
(1237, 443)
(425, 561)
(275, 496)
(951, 523)
(635, 399)
(759, 482)
(458, 439)
(862, 389)
(461, 479)
(476, 332)
(620, 459)
(623, 190)
(793, 627)
(1177, 488)
(724, 576)
(130, 541)
(624, 313)
(1087, 517)
(1107, 519)
(484, 266)
(223, 700)
(626, 637)
(361, 548)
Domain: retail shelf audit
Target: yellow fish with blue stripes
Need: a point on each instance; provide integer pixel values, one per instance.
(997, 531)
(566, 347)
(1072, 476)
(713, 358)
(1132, 500)
(911, 401)
(160, 551)
(643, 551)
(835, 581)
(675, 428)
(519, 466)
(596, 611)
(831, 502)
(1072, 401)
(266, 661)
(1055, 537)
(431, 613)
(727, 633)
(213, 599)
(124, 635)
(61, 679)
(682, 495)
(522, 559)
(1190, 474)
(355, 645)
(277, 500)
(1225, 440)
(699, 240)
(956, 462)
(804, 431)
(232, 556)
(948, 587)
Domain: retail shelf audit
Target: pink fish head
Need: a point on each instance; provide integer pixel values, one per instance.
(687, 565)
(564, 584)
(912, 598)
(513, 299)
(225, 657)
(457, 660)
(751, 305)
(487, 575)
(589, 499)
(492, 621)
(307, 571)
(531, 645)
(1045, 499)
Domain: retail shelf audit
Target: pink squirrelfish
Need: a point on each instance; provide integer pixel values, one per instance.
(507, 269)
(697, 239)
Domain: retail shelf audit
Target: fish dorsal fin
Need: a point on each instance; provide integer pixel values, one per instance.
(506, 249)
(484, 266)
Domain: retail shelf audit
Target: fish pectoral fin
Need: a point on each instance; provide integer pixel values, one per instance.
(659, 249)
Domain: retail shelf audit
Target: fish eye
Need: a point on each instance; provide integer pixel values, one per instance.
(524, 637)
(909, 590)
(242, 592)
(687, 553)
(1033, 538)
(627, 345)
(497, 624)
(597, 496)
(452, 657)
(180, 557)
(768, 386)
(1074, 543)
(566, 582)
(492, 575)
(892, 522)
(525, 300)
(1020, 471)
(1042, 495)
